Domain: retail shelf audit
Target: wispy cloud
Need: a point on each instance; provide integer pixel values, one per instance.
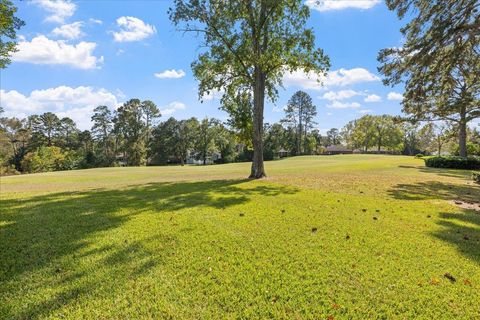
(172, 107)
(331, 5)
(170, 74)
(395, 96)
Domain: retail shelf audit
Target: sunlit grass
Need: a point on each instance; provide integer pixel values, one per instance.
(345, 236)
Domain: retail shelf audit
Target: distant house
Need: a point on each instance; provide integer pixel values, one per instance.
(282, 153)
(338, 149)
(193, 158)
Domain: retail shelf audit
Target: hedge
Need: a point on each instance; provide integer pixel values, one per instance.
(453, 162)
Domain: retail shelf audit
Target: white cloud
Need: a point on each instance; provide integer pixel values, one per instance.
(172, 107)
(214, 94)
(59, 9)
(341, 105)
(76, 103)
(170, 74)
(364, 111)
(340, 95)
(395, 96)
(95, 21)
(329, 5)
(372, 98)
(132, 29)
(341, 77)
(41, 50)
(69, 31)
(344, 77)
(329, 113)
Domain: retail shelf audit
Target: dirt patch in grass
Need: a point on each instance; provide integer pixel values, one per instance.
(468, 205)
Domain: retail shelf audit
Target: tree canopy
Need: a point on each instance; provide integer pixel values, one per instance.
(439, 61)
(9, 24)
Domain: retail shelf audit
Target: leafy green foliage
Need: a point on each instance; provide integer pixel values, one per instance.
(9, 24)
(453, 162)
(374, 132)
(299, 114)
(439, 61)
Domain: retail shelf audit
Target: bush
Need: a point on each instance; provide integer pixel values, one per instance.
(476, 177)
(453, 162)
(419, 155)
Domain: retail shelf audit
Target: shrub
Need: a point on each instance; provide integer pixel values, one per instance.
(419, 155)
(476, 177)
(453, 162)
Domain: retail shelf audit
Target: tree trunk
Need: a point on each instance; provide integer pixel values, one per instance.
(258, 170)
(462, 133)
(299, 148)
(305, 139)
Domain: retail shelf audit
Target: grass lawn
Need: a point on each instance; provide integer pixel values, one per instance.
(338, 237)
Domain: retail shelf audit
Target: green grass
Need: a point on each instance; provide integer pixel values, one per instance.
(205, 243)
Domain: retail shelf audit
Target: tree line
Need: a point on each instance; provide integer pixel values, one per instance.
(133, 135)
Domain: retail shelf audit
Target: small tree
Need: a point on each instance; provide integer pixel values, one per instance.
(204, 144)
(299, 114)
(333, 136)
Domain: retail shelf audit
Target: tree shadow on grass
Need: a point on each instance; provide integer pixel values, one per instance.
(451, 173)
(436, 190)
(462, 230)
(47, 237)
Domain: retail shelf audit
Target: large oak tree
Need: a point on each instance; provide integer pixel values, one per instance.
(249, 45)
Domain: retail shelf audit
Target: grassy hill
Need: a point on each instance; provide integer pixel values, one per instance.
(322, 237)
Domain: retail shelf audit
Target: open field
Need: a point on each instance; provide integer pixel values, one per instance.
(335, 237)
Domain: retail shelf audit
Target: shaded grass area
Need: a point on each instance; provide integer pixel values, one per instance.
(293, 246)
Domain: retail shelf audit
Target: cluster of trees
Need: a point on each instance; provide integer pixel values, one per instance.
(133, 136)
(387, 133)
(130, 136)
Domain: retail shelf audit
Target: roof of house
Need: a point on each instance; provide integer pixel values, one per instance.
(337, 147)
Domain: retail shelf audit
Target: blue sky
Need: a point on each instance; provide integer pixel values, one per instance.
(74, 55)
